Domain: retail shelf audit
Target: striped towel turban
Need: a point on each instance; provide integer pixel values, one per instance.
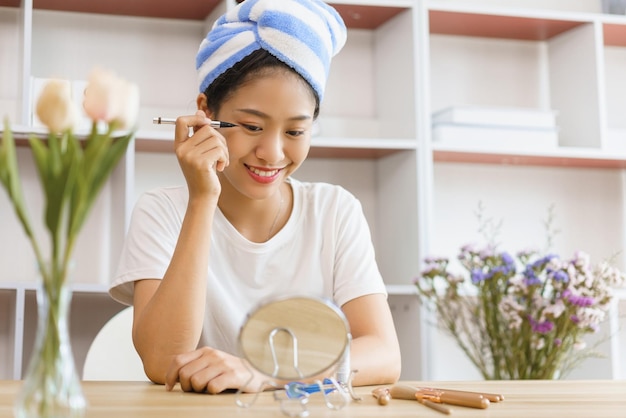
(304, 34)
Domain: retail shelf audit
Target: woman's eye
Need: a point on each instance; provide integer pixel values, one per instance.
(295, 133)
(251, 128)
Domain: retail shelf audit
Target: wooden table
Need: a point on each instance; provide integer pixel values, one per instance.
(527, 399)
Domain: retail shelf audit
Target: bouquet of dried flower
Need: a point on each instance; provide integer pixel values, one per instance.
(520, 317)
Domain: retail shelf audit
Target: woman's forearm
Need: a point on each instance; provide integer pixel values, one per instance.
(374, 352)
(376, 362)
(169, 313)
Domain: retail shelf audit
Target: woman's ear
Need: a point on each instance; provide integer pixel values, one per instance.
(201, 102)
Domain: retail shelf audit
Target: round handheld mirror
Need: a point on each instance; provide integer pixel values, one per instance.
(294, 338)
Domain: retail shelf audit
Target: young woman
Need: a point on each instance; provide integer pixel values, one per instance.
(198, 258)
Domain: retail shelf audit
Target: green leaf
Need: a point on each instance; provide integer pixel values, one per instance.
(57, 173)
(9, 176)
(40, 155)
(95, 149)
(101, 156)
(54, 155)
(71, 178)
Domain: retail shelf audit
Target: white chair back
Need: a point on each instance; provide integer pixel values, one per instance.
(112, 355)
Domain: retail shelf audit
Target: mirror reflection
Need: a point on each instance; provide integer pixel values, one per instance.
(294, 338)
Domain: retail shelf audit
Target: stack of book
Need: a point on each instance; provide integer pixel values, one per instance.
(495, 128)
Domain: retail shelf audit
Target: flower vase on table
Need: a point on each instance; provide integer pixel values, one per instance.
(51, 386)
(71, 172)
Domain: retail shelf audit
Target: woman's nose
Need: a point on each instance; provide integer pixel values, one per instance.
(270, 147)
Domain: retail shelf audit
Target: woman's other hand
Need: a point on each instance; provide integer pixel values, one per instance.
(209, 370)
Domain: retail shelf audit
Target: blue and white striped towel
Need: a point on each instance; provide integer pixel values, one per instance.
(304, 34)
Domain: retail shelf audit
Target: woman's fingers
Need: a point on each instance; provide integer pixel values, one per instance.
(205, 149)
(204, 138)
(178, 363)
(201, 154)
(186, 123)
(207, 370)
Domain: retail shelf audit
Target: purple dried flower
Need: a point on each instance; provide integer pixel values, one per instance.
(541, 327)
(509, 264)
(560, 276)
(530, 278)
(528, 252)
(544, 260)
(435, 260)
(468, 248)
(505, 270)
(478, 276)
(578, 300)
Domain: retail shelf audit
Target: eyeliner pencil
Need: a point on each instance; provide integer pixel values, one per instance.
(171, 121)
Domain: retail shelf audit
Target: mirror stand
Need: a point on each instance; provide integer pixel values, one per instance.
(282, 346)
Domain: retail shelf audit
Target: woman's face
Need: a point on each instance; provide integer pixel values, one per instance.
(274, 114)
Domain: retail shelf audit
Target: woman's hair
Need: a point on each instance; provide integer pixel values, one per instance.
(258, 63)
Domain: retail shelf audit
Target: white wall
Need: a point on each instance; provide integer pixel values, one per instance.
(10, 69)
(157, 54)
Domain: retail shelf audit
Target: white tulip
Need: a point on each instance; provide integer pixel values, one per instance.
(128, 104)
(110, 99)
(99, 100)
(55, 108)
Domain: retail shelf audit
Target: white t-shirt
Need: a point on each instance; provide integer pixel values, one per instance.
(324, 250)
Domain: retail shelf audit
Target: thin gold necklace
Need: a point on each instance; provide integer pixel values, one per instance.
(280, 207)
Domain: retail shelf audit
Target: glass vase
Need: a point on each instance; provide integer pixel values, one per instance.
(51, 386)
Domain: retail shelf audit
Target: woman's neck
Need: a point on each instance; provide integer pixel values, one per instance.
(256, 220)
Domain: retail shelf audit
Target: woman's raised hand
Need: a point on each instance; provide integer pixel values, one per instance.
(201, 154)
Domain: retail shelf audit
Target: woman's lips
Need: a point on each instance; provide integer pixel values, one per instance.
(263, 175)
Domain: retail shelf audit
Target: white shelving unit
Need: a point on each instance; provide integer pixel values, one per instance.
(515, 54)
(403, 60)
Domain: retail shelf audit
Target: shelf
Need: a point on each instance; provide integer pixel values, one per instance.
(366, 17)
(358, 148)
(401, 290)
(153, 141)
(160, 141)
(367, 148)
(526, 25)
(446, 22)
(76, 287)
(614, 34)
(181, 9)
(21, 133)
(355, 16)
(563, 157)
